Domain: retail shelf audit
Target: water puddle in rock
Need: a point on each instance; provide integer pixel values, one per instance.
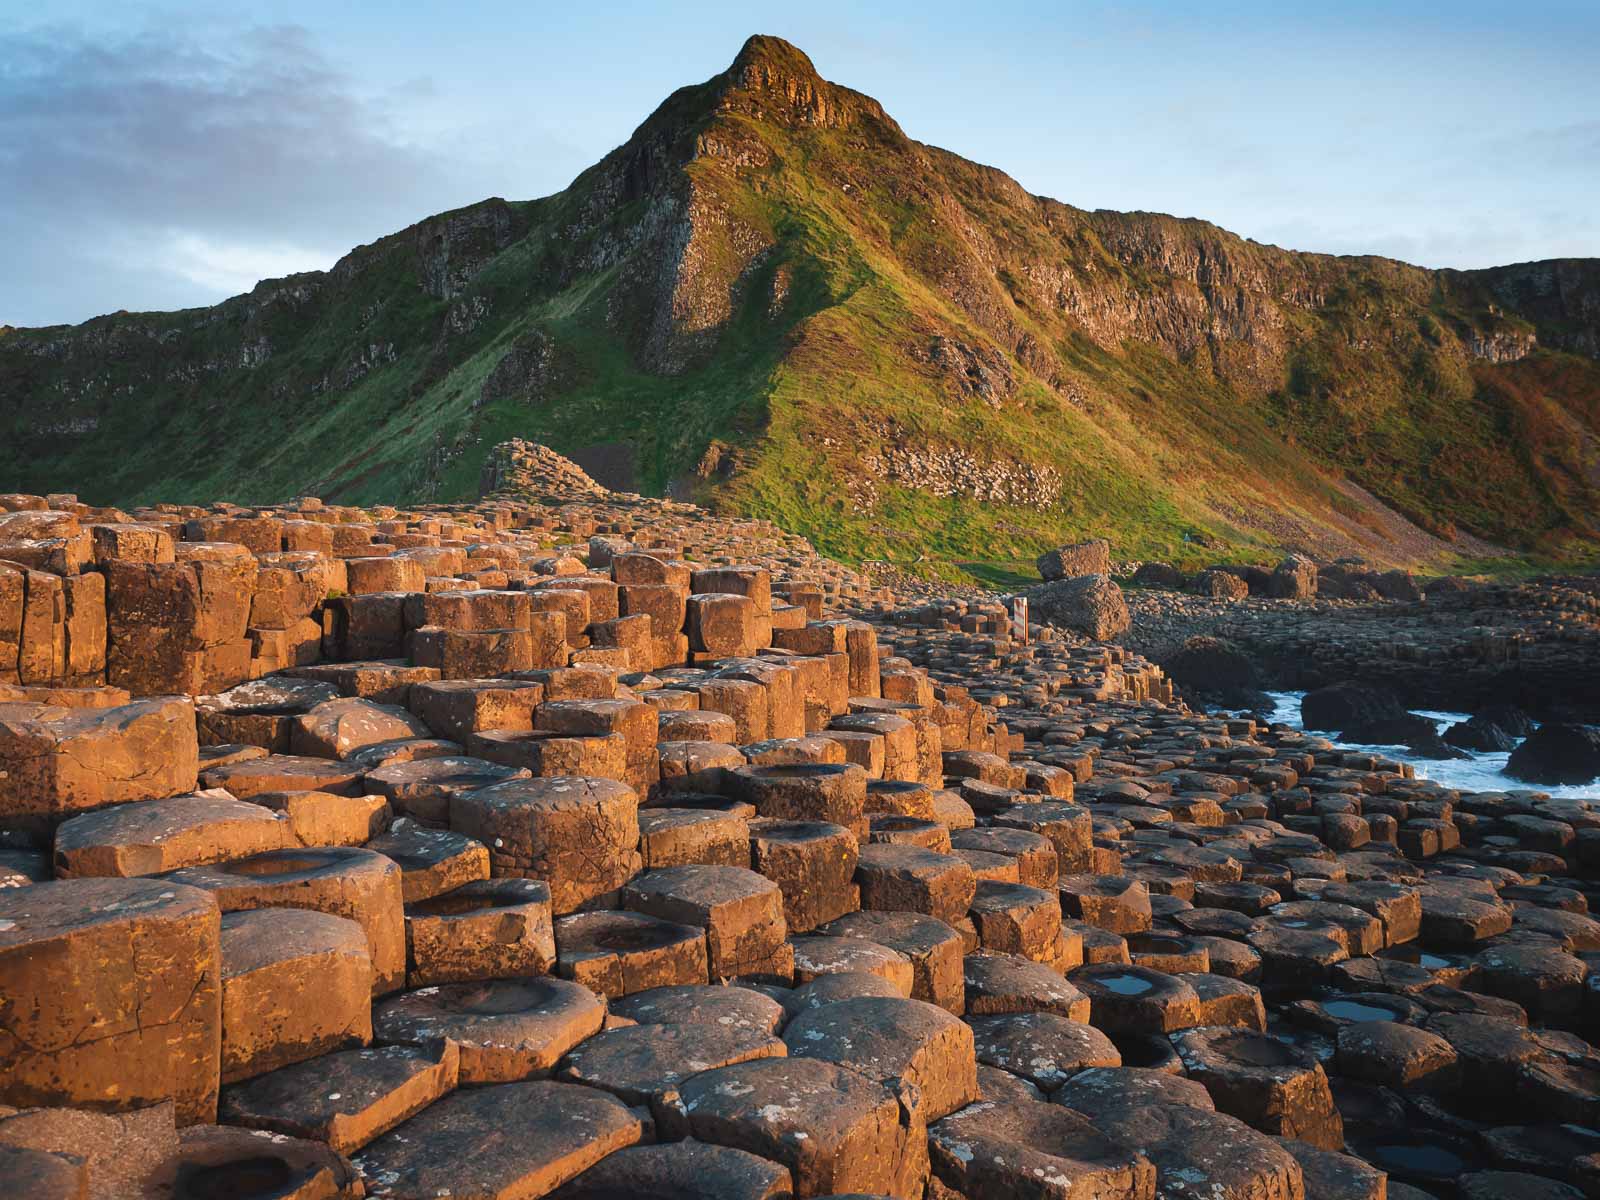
(1427, 1162)
(1354, 1010)
(1126, 985)
(1411, 954)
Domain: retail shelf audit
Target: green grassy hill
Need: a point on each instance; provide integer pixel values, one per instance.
(773, 300)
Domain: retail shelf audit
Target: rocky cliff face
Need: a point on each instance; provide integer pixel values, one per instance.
(1560, 297)
(885, 343)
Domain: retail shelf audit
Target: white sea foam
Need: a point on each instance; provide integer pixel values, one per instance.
(1481, 771)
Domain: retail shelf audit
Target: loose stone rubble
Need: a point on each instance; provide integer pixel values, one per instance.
(586, 845)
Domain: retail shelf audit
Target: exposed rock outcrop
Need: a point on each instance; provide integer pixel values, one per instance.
(1088, 604)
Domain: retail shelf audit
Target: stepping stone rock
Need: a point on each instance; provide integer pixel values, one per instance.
(897, 878)
(1012, 918)
(1102, 1092)
(995, 1084)
(423, 789)
(831, 989)
(579, 835)
(1395, 1055)
(1267, 1083)
(325, 819)
(546, 754)
(1136, 999)
(741, 912)
(506, 1029)
(259, 712)
(1337, 1176)
(1044, 1048)
(285, 773)
(715, 1004)
(1397, 906)
(338, 728)
(126, 1153)
(813, 864)
(345, 1099)
(858, 1138)
(910, 831)
(59, 762)
(459, 1146)
(221, 1160)
(431, 861)
(916, 1049)
(1037, 865)
(152, 836)
(1545, 981)
(819, 956)
(1114, 903)
(458, 708)
(1451, 919)
(676, 837)
(1201, 1155)
(832, 792)
(1000, 1148)
(645, 1064)
(1225, 1001)
(934, 948)
(682, 1171)
(1007, 983)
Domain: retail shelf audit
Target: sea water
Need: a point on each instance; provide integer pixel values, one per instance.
(1480, 771)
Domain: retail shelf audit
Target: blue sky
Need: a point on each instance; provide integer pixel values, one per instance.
(160, 156)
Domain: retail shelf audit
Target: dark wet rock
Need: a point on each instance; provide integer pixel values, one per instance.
(1557, 754)
(1218, 673)
(1480, 734)
(1343, 705)
(1395, 1055)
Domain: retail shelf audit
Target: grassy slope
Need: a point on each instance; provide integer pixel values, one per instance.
(1161, 452)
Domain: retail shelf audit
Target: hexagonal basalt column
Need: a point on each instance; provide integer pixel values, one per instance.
(579, 835)
(856, 1139)
(1265, 1082)
(272, 959)
(741, 912)
(831, 792)
(813, 863)
(487, 929)
(135, 960)
(619, 953)
(1135, 999)
(344, 882)
(899, 878)
(507, 1029)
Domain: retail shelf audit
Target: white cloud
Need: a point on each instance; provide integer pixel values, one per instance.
(146, 167)
(227, 267)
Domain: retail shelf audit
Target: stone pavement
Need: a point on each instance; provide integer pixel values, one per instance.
(584, 845)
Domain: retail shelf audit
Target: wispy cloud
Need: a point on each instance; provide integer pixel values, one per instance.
(182, 166)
